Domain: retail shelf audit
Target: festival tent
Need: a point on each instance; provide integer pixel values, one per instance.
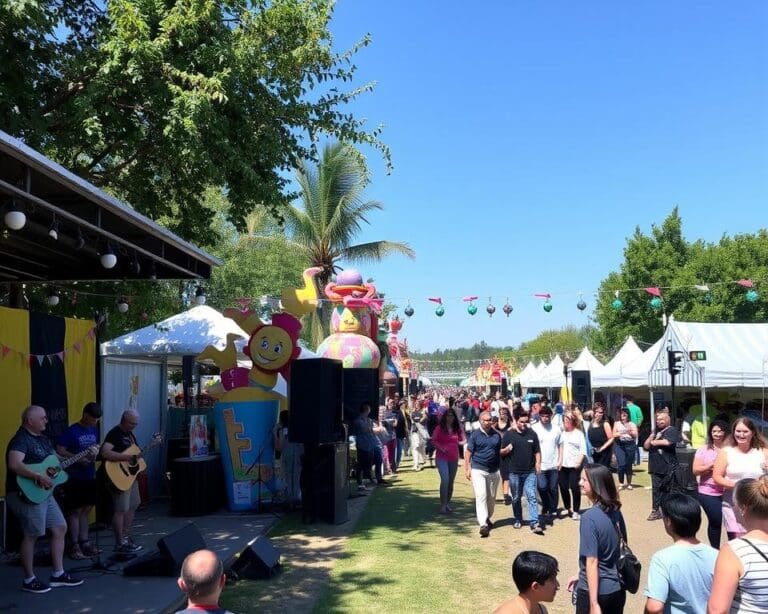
(611, 374)
(524, 376)
(586, 361)
(551, 376)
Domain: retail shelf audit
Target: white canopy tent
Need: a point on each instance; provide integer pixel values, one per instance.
(551, 376)
(525, 375)
(626, 371)
(586, 361)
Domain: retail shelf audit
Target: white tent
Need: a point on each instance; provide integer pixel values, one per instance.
(525, 375)
(551, 377)
(586, 361)
(611, 374)
(737, 355)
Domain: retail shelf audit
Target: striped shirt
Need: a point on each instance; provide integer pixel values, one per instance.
(752, 592)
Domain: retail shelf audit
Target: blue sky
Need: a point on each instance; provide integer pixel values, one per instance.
(530, 138)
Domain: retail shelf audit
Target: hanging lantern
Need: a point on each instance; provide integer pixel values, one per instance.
(507, 309)
(53, 298)
(656, 303)
(471, 309)
(707, 299)
(122, 305)
(547, 306)
(617, 304)
(751, 296)
(581, 305)
(439, 311)
(490, 309)
(14, 217)
(408, 310)
(199, 296)
(108, 259)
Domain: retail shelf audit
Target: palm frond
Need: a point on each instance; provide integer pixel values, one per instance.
(377, 250)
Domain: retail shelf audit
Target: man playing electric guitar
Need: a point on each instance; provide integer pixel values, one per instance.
(119, 439)
(80, 489)
(29, 447)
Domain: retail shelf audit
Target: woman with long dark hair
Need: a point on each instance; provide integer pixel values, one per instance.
(745, 456)
(710, 494)
(625, 435)
(600, 437)
(597, 586)
(446, 439)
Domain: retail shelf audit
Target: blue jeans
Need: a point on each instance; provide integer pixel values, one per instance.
(399, 451)
(447, 471)
(547, 485)
(524, 484)
(625, 455)
(713, 508)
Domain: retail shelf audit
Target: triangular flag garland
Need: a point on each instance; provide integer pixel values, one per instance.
(39, 359)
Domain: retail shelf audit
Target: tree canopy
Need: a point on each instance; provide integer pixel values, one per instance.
(157, 101)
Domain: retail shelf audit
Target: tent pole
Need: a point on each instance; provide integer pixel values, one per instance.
(704, 400)
(653, 410)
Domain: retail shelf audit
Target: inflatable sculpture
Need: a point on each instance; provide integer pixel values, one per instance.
(247, 407)
(354, 322)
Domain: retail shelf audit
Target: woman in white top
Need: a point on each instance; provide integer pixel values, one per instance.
(741, 573)
(745, 457)
(570, 458)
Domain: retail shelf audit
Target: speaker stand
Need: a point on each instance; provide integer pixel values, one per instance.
(260, 507)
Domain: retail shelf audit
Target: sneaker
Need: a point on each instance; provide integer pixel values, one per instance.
(35, 586)
(64, 580)
(630, 487)
(126, 548)
(654, 515)
(623, 487)
(362, 488)
(536, 528)
(575, 516)
(517, 524)
(485, 531)
(449, 508)
(133, 544)
(507, 500)
(489, 523)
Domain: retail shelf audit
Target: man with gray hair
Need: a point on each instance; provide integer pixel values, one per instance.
(27, 448)
(117, 441)
(482, 458)
(202, 580)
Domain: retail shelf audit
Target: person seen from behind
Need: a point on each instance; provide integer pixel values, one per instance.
(202, 581)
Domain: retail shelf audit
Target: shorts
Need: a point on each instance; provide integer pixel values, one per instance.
(80, 493)
(35, 518)
(126, 500)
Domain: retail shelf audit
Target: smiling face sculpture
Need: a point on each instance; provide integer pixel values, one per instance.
(270, 348)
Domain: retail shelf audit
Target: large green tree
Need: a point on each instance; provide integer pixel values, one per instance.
(665, 259)
(156, 100)
(331, 213)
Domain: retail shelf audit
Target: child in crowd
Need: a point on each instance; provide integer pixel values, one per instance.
(535, 576)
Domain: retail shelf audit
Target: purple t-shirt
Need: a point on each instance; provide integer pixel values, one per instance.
(707, 484)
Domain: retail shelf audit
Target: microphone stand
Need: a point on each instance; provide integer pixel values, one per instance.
(258, 462)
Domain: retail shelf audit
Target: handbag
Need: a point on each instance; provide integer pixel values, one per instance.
(628, 566)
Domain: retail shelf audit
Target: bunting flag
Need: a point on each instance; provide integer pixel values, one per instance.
(702, 287)
(653, 291)
(746, 283)
(38, 368)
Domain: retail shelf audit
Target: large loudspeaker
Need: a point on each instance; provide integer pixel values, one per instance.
(504, 387)
(581, 385)
(324, 483)
(360, 386)
(314, 399)
(413, 387)
(170, 554)
(260, 559)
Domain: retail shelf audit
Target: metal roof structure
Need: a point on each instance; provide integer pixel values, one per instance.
(88, 223)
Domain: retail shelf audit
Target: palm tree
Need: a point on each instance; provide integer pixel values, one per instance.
(332, 213)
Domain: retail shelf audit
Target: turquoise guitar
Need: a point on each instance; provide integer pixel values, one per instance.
(54, 469)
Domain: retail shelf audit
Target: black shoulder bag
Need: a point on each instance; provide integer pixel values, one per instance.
(628, 566)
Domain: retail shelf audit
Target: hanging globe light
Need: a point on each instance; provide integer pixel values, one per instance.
(547, 306)
(617, 304)
(408, 310)
(439, 311)
(751, 296)
(491, 310)
(122, 305)
(581, 305)
(471, 309)
(507, 309)
(656, 303)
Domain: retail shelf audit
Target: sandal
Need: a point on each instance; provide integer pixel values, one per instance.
(76, 554)
(88, 549)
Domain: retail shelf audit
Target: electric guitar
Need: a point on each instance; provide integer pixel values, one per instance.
(122, 474)
(53, 468)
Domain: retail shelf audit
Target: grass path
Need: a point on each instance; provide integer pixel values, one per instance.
(403, 555)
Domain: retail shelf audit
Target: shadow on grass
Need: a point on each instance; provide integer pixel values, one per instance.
(372, 585)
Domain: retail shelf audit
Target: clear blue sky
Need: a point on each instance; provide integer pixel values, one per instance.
(530, 138)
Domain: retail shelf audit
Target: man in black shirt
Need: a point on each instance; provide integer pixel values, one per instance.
(28, 447)
(662, 459)
(119, 439)
(522, 454)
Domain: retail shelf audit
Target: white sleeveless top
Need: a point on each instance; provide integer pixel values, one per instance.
(752, 592)
(740, 465)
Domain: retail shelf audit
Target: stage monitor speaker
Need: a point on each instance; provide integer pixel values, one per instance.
(360, 386)
(170, 554)
(581, 385)
(260, 559)
(314, 400)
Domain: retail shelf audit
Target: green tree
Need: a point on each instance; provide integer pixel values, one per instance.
(157, 100)
(331, 214)
(666, 260)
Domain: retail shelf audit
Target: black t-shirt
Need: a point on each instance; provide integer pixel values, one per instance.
(661, 458)
(119, 439)
(524, 447)
(400, 430)
(36, 449)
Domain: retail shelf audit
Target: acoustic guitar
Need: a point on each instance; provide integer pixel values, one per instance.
(54, 469)
(123, 474)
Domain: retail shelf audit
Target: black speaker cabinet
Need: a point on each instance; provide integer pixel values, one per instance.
(504, 387)
(581, 385)
(170, 554)
(314, 400)
(324, 483)
(360, 386)
(260, 559)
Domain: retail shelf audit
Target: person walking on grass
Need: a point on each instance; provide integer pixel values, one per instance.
(662, 460)
(573, 451)
(680, 576)
(625, 448)
(446, 438)
(520, 447)
(547, 479)
(481, 467)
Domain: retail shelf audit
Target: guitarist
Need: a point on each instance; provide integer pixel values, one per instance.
(80, 489)
(119, 439)
(28, 447)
